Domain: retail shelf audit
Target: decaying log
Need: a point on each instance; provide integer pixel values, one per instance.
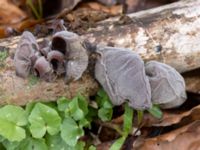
(168, 34)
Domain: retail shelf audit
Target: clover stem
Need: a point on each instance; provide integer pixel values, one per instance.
(112, 126)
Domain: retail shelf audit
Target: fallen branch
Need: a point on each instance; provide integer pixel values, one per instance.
(168, 34)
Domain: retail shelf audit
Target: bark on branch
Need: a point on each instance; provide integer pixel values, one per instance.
(168, 34)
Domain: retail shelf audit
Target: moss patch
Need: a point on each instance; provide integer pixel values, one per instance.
(32, 80)
(3, 56)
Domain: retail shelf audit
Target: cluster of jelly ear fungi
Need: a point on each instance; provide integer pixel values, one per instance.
(66, 55)
(54, 54)
(49, 59)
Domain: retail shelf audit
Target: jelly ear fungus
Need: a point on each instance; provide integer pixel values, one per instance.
(76, 55)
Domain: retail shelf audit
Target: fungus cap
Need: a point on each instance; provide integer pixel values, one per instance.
(167, 85)
(121, 73)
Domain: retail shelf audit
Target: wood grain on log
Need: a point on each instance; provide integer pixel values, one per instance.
(174, 27)
(168, 34)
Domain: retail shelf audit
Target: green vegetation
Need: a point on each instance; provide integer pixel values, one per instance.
(32, 80)
(127, 127)
(36, 8)
(3, 56)
(106, 109)
(61, 124)
(156, 112)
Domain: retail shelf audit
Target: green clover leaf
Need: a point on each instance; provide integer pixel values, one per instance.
(105, 114)
(77, 108)
(84, 123)
(32, 144)
(14, 114)
(103, 99)
(83, 104)
(62, 103)
(75, 111)
(10, 145)
(92, 147)
(44, 119)
(70, 131)
(105, 110)
(11, 120)
(55, 142)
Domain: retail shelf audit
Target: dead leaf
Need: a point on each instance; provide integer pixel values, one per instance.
(172, 117)
(64, 6)
(192, 81)
(104, 146)
(27, 24)
(83, 18)
(131, 6)
(113, 10)
(9, 13)
(14, 29)
(18, 3)
(185, 138)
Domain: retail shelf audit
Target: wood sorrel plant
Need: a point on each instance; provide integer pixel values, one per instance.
(59, 125)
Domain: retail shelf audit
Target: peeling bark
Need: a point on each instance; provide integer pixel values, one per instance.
(167, 34)
(174, 27)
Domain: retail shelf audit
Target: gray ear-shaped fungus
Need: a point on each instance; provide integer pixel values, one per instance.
(24, 55)
(108, 2)
(75, 53)
(44, 51)
(44, 47)
(167, 85)
(77, 61)
(121, 73)
(44, 43)
(57, 60)
(61, 41)
(43, 69)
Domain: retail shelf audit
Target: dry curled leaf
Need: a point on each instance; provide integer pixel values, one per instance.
(172, 117)
(113, 10)
(184, 138)
(9, 13)
(192, 81)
